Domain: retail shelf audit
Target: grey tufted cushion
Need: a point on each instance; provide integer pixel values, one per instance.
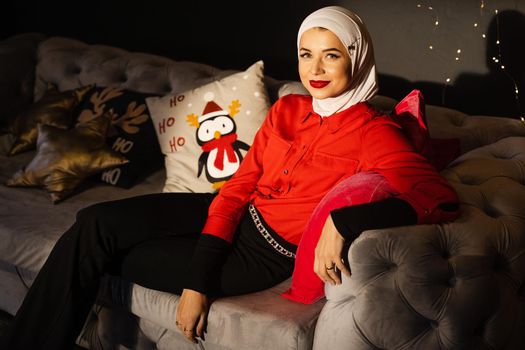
(458, 285)
(257, 321)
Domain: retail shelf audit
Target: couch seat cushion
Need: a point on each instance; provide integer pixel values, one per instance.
(28, 236)
(262, 320)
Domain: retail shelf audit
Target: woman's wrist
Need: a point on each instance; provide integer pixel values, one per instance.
(352, 221)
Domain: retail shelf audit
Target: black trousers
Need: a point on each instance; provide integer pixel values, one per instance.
(148, 240)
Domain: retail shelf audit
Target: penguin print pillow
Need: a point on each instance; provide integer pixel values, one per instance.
(205, 133)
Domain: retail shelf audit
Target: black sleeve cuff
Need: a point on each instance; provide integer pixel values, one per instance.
(204, 270)
(391, 212)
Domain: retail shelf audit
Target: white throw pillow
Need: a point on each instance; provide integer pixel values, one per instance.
(205, 133)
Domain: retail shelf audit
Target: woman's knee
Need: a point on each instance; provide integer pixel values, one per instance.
(94, 224)
(90, 213)
(102, 214)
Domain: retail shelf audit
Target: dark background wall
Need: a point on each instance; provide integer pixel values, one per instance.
(234, 34)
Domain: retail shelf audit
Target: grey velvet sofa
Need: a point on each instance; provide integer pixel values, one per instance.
(458, 285)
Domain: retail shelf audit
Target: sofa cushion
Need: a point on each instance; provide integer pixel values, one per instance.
(54, 108)
(131, 133)
(410, 114)
(65, 158)
(261, 320)
(26, 211)
(205, 132)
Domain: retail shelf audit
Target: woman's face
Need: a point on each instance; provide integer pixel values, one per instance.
(324, 63)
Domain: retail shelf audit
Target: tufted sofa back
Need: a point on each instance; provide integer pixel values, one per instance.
(70, 63)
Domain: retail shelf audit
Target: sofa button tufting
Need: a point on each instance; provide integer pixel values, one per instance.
(434, 324)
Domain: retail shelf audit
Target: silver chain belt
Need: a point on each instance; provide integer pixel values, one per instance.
(264, 232)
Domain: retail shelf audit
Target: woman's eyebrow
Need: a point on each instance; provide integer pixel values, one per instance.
(332, 49)
(325, 50)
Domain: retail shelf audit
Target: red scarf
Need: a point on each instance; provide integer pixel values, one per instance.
(223, 144)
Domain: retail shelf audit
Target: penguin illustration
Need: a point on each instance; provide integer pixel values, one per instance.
(216, 134)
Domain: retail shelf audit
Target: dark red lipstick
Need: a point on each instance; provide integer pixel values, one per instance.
(319, 84)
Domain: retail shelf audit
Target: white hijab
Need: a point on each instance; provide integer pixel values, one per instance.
(350, 29)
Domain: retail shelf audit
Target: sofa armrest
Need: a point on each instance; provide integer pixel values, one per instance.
(17, 74)
(457, 285)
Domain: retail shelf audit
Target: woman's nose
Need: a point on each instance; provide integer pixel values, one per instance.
(317, 67)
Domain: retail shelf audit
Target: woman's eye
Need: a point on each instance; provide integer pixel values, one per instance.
(304, 55)
(332, 56)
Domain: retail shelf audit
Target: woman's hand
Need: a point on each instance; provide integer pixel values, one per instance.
(192, 313)
(328, 254)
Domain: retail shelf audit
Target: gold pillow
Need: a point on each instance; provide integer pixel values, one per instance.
(65, 158)
(54, 108)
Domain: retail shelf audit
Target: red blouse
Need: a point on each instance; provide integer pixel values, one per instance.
(297, 156)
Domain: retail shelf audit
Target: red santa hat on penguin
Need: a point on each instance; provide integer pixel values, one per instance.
(211, 109)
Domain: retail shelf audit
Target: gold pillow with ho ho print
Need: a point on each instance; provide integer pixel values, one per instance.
(205, 132)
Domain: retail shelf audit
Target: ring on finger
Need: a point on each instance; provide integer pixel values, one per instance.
(330, 268)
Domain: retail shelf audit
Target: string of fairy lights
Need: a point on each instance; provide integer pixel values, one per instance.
(497, 59)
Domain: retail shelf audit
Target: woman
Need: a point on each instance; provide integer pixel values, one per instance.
(243, 240)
